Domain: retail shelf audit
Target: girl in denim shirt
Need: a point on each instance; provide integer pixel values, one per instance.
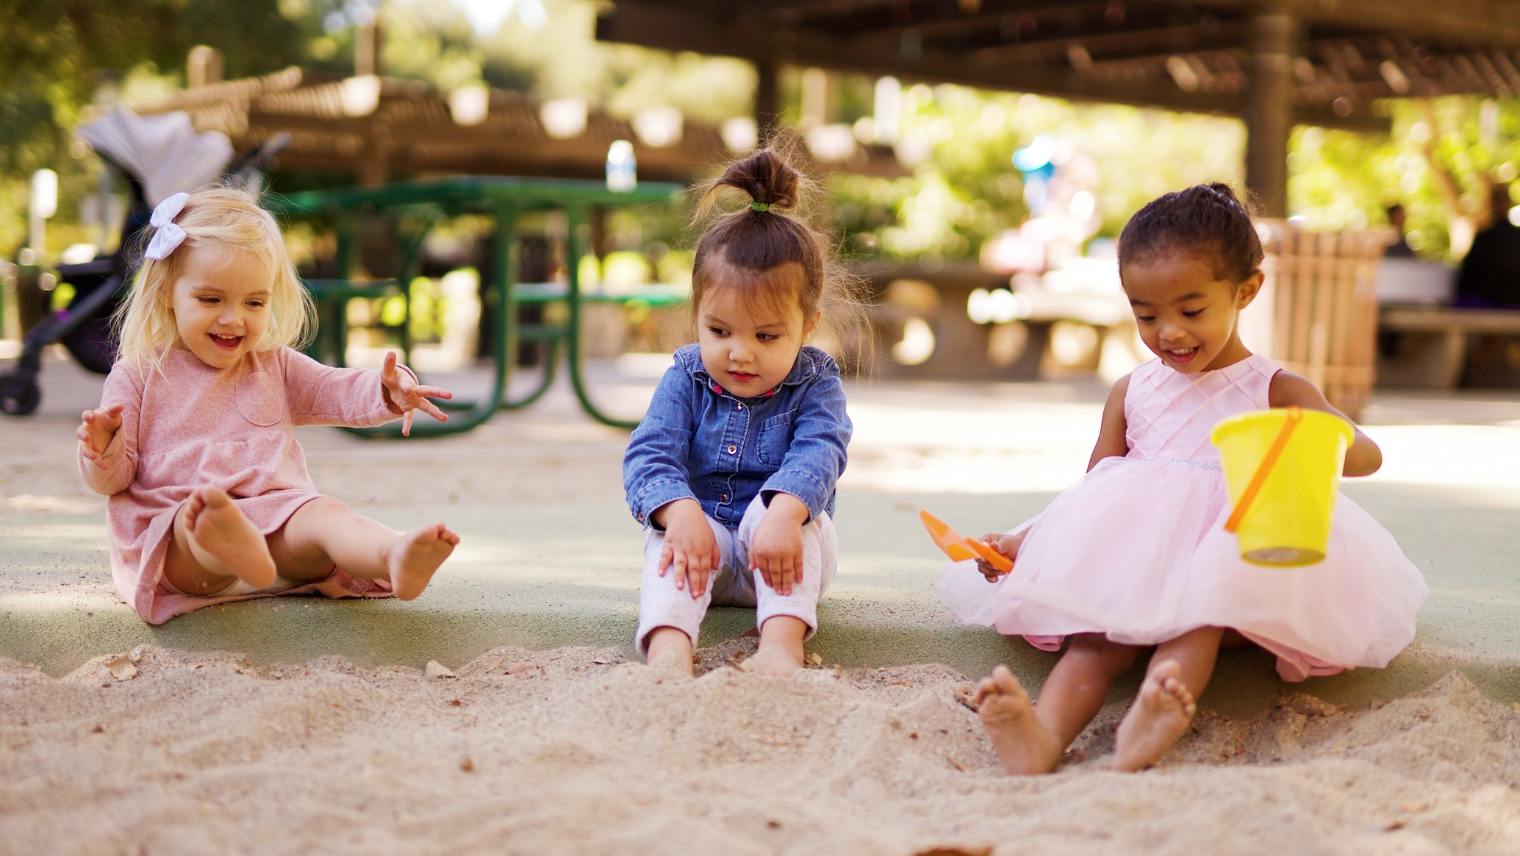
(733, 469)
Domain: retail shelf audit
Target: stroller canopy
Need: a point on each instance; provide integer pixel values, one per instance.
(164, 152)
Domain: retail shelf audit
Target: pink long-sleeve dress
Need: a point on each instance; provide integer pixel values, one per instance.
(192, 425)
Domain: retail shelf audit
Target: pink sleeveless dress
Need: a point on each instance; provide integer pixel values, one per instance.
(1137, 549)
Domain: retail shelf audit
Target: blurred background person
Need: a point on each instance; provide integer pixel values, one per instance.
(1490, 275)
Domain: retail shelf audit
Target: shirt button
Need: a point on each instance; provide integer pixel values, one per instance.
(725, 497)
(739, 406)
(732, 449)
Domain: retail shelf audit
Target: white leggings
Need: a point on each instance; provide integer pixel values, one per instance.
(661, 604)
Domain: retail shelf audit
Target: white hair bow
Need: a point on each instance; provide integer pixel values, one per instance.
(166, 235)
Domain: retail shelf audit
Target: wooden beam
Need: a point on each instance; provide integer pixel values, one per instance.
(1122, 45)
(1482, 22)
(661, 26)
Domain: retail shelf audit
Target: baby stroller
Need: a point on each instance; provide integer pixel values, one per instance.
(158, 156)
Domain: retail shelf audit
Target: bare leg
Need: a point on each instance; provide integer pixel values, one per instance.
(1178, 673)
(780, 652)
(214, 545)
(1029, 738)
(325, 533)
(670, 647)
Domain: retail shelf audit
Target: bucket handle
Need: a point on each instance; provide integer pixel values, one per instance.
(1264, 469)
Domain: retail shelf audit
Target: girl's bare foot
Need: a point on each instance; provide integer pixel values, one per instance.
(1021, 742)
(777, 660)
(670, 648)
(1160, 715)
(221, 538)
(412, 558)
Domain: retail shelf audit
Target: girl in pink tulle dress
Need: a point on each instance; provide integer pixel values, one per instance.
(1135, 555)
(193, 440)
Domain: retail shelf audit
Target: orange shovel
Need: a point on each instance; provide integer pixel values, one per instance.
(960, 548)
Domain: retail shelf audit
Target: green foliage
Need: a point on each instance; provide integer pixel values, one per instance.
(968, 190)
(58, 57)
(1340, 179)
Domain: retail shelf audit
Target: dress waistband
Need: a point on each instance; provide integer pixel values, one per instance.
(1198, 464)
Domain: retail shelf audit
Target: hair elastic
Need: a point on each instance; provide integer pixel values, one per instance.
(759, 206)
(166, 235)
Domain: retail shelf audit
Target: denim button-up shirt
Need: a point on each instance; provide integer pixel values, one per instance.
(699, 441)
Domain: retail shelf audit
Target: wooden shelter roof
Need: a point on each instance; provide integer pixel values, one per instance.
(1186, 56)
(409, 130)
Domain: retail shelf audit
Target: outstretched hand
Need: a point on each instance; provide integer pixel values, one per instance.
(96, 429)
(408, 395)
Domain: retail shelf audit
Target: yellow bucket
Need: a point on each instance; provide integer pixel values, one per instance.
(1283, 469)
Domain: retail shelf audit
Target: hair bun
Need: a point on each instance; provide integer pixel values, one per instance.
(1224, 190)
(766, 177)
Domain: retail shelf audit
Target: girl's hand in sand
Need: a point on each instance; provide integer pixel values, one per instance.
(96, 429)
(776, 548)
(690, 550)
(404, 394)
(1008, 545)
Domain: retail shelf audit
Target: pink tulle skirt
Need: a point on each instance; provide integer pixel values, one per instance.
(1137, 551)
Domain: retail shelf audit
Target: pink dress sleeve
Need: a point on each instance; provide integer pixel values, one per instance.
(323, 395)
(118, 466)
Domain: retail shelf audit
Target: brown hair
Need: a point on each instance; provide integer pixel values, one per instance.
(752, 248)
(1207, 220)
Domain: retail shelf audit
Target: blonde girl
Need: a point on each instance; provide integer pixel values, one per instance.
(210, 500)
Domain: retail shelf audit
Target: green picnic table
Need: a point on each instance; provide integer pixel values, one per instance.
(504, 199)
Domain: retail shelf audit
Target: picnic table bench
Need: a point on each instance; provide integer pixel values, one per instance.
(503, 199)
(1432, 345)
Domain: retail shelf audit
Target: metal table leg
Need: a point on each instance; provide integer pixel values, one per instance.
(504, 324)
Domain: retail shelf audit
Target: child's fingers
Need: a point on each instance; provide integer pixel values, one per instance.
(406, 423)
(388, 369)
(678, 567)
(431, 409)
(666, 555)
(433, 392)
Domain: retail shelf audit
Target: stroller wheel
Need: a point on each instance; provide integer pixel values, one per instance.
(19, 394)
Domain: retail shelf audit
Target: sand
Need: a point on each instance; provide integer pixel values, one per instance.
(575, 750)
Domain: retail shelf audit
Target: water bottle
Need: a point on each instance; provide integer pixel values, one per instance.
(622, 169)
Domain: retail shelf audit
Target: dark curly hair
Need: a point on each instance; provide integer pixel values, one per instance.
(1206, 220)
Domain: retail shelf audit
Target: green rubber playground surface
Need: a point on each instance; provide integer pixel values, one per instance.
(550, 556)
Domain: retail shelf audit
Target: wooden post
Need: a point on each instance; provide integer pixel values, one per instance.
(368, 42)
(1269, 107)
(204, 67)
(767, 97)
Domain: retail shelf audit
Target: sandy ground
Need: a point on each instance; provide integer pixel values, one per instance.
(576, 751)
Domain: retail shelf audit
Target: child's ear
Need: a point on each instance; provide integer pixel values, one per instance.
(1247, 291)
(811, 324)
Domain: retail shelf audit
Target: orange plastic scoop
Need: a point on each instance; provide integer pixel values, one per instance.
(960, 548)
(1264, 469)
